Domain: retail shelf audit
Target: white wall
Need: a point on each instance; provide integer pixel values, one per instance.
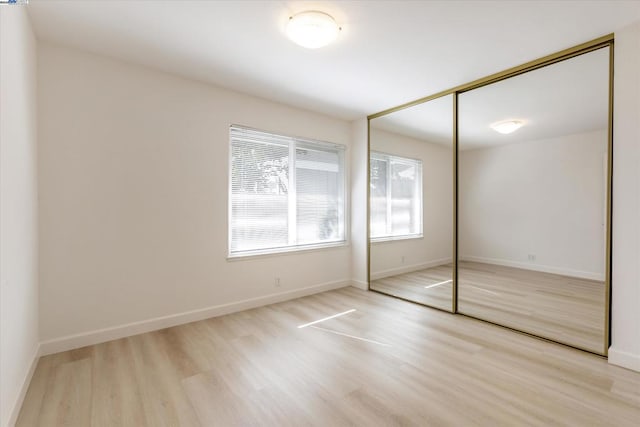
(625, 319)
(133, 206)
(435, 248)
(18, 210)
(545, 198)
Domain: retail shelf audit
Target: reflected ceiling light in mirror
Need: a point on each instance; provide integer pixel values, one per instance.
(507, 126)
(312, 29)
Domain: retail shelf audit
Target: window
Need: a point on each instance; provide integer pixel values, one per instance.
(396, 197)
(286, 193)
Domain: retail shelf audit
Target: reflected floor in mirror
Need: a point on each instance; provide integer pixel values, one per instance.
(343, 357)
(430, 286)
(565, 309)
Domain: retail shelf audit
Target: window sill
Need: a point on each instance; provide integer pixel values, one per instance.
(266, 253)
(395, 238)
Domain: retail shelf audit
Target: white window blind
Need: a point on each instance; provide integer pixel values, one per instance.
(395, 197)
(286, 193)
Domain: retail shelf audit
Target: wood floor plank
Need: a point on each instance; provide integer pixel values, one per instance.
(389, 362)
(565, 309)
(163, 399)
(68, 401)
(430, 286)
(116, 394)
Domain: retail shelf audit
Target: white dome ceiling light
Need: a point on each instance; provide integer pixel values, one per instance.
(312, 29)
(507, 126)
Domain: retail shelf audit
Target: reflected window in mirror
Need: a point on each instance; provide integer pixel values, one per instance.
(396, 197)
(411, 203)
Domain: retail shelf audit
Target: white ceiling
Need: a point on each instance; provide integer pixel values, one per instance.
(565, 98)
(562, 99)
(430, 121)
(388, 53)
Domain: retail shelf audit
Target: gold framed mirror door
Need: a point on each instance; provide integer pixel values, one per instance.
(532, 193)
(411, 163)
(550, 252)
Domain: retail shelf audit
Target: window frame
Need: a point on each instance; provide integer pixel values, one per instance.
(292, 198)
(381, 155)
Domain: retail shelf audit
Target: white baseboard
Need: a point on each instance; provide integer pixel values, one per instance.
(624, 359)
(360, 284)
(535, 267)
(375, 275)
(71, 342)
(17, 405)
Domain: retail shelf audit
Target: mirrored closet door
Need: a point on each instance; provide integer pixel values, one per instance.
(532, 191)
(492, 199)
(411, 203)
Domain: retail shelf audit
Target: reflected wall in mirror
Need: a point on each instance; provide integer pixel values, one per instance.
(532, 203)
(411, 203)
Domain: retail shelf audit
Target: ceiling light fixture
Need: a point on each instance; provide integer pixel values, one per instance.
(507, 126)
(312, 29)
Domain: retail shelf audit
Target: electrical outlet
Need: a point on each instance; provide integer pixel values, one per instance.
(276, 282)
(532, 257)
(402, 259)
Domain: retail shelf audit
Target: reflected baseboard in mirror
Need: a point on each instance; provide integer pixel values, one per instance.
(430, 286)
(561, 308)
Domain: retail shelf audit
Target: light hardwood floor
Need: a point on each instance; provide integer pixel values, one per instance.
(562, 308)
(389, 362)
(430, 286)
